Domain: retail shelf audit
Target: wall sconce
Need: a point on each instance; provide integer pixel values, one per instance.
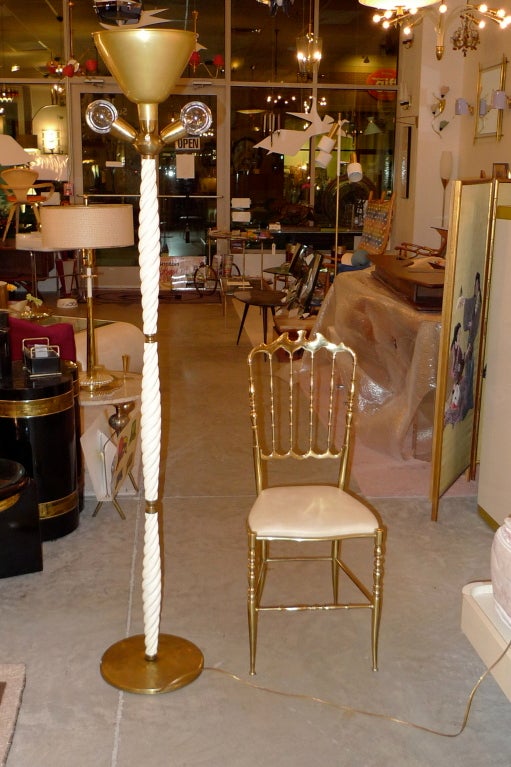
(405, 101)
(50, 123)
(407, 36)
(462, 107)
(500, 100)
(50, 140)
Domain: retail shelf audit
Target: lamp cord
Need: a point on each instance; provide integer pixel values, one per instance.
(373, 714)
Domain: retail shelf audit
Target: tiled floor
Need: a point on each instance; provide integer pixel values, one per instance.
(60, 621)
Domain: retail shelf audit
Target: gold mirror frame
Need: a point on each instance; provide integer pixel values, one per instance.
(490, 79)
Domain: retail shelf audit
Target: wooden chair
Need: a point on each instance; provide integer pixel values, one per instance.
(302, 412)
(20, 189)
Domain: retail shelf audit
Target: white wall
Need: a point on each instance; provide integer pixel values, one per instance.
(424, 76)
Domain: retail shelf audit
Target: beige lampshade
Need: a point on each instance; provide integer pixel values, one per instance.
(71, 227)
(11, 153)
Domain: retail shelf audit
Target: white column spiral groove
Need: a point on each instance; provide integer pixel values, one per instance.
(150, 423)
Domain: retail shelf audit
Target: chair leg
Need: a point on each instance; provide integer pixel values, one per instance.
(377, 594)
(12, 210)
(251, 599)
(335, 570)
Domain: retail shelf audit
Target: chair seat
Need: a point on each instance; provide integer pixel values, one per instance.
(309, 511)
(30, 199)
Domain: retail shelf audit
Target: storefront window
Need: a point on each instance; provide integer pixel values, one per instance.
(273, 141)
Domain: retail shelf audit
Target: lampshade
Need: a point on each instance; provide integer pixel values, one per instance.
(11, 153)
(462, 107)
(72, 227)
(371, 127)
(446, 165)
(354, 170)
(499, 100)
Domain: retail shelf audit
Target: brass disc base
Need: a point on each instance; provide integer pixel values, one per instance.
(178, 662)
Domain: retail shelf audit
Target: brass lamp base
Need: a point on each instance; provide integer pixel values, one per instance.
(98, 380)
(178, 663)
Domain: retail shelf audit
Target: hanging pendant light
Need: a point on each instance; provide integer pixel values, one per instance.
(308, 49)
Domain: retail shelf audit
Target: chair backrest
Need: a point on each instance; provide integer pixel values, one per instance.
(376, 228)
(301, 402)
(19, 181)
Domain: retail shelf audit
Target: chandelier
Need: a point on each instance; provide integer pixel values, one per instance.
(7, 94)
(466, 37)
(472, 19)
(391, 14)
(308, 50)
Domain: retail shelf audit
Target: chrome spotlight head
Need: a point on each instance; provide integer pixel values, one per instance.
(100, 115)
(196, 117)
(118, 12)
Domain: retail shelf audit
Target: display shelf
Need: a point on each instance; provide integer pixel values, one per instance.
(486, 631)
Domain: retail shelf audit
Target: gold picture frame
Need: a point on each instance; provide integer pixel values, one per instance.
(459, 375)
(488, 123)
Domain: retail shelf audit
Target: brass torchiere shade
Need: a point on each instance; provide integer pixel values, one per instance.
(146, 63)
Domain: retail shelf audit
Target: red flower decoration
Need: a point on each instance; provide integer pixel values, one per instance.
(68, 70)
(91, 65)
(195, 59)
(218, 60)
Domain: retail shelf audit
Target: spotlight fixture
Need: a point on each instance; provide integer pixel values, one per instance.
(118, 11)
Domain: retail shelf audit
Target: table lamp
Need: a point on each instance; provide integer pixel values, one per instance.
(86, 228)
(12, 153)
(146, 64)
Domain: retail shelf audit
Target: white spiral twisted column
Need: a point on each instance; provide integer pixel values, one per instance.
(150, 428)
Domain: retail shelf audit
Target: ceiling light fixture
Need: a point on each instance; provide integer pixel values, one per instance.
(390, 13)
(466, 37)
(308, 50)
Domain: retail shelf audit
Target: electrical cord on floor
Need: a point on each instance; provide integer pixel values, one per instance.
(374, 714)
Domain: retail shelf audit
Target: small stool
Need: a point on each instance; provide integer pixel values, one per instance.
(20, 536)
(264, 299)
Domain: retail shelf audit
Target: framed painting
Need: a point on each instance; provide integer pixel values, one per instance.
(489, 121)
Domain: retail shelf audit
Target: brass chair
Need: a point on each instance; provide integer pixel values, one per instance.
(302, 400)
(20, 189)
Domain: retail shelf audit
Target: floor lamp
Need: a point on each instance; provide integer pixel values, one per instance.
(146, 64)
(354, 170)
(86, 228)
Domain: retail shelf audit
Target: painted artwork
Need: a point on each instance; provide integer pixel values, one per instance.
(459, 362)
(463, 349)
